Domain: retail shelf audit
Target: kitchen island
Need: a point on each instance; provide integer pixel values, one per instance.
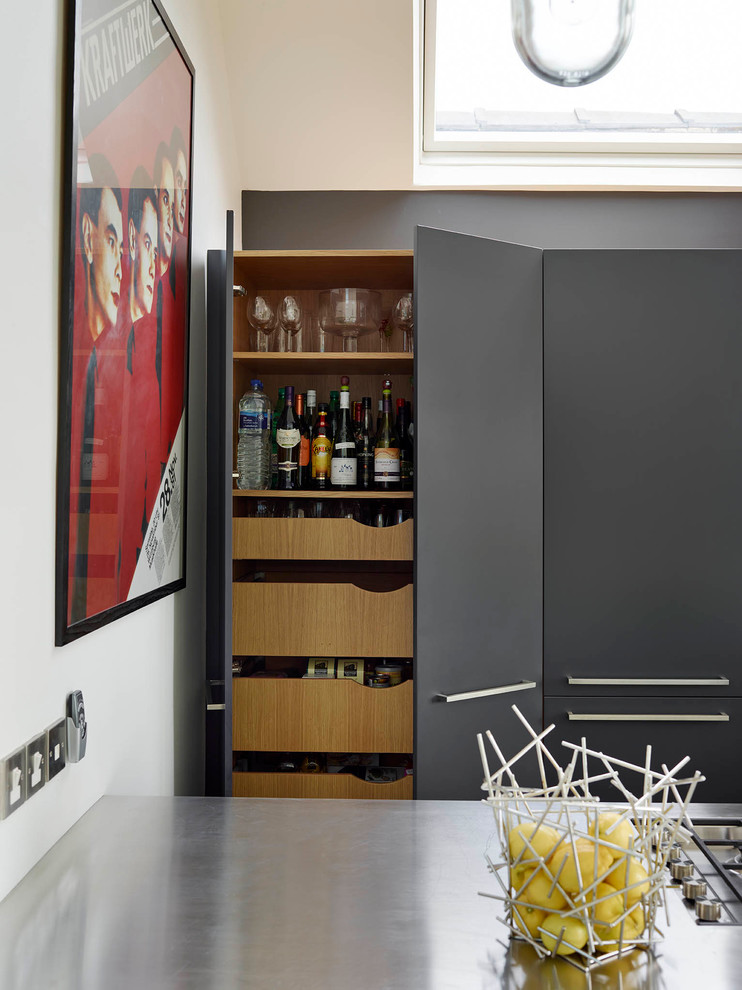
(196, 893)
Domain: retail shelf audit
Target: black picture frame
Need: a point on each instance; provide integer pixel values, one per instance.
(125, 308)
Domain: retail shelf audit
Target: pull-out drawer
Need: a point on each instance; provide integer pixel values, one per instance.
(334, 620)
(319, 539)
(334, 716)
(318, 785)
(709, 730)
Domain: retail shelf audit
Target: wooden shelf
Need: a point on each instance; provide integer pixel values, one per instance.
(320, 620)
(335, 363)
(325, 269)
(319, 539)
(314, 495)
(328, 716)
(318, 785)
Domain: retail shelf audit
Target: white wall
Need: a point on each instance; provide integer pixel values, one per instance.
(322, 92)
(142, 677)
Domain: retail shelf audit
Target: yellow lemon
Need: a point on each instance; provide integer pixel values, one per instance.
(569, 878)
(609, 904)
(623, 835)
(575, 934)
(528, 920)
(620, 878)
(535, 890)
(633, 926)
(541, 839)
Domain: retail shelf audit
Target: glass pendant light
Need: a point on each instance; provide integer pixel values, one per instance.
(571, 42)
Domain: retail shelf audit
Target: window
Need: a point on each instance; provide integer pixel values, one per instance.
(667, 115)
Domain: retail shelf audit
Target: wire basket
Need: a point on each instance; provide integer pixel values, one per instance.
(580, 877)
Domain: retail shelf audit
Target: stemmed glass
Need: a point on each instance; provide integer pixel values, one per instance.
(403, 317)
(289, 319)
(262, 318)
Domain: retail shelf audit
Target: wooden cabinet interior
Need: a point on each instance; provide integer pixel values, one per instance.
(320, 587)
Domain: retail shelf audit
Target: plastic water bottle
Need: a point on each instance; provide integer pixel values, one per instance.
(254, 443)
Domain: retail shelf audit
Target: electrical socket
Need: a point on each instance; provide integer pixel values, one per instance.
(13, 782)
(36, 756)
(56, 748)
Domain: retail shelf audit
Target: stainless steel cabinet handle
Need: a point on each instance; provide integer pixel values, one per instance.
(648, 681)
(211, 705)
(503, 689)
(615, 717)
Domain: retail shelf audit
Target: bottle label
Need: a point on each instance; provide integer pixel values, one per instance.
(343, 471)
(304, 452)
(287, 438)
(321, 452)
(386, 464)
(288, 466)
(345, 446)
(254, 420)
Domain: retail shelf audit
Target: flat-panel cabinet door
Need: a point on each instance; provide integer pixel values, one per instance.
(478, 509)
(708, 730)
(218, 733)
(643, 470)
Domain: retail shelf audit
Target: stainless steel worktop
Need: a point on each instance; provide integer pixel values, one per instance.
(215, 893)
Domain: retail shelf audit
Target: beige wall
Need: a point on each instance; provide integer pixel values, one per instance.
(321, 92)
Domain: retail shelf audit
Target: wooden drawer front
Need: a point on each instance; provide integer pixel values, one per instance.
(334, 716)
(709, 730)
(323, 620)
(319, 539)
(317, 785)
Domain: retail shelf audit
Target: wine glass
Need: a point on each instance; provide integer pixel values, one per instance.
(350, 314)
(262, 318)
(289, 319)
(403, 317)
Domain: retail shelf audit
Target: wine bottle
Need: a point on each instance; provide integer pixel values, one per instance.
(379, 415)
(357, 417)
(406, 468)
(365, 447)
(305, 468)
(288, 442)
(332, 416)
(386, 447)
(310, 413)
(280, 402)
(321, 451)
(343, 467)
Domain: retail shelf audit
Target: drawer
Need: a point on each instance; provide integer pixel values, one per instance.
(318, 785)
(709, 730)
(319, 539)
(324, 620)
(333, 716)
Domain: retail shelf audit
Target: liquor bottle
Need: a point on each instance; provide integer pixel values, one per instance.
(332, 416)
(321, 451)
(365, 447)
(288, 441)
(386, 447)
(406, 468)
(310, 413)
(343, 467)
(305, 467)
(274, 425)
(357, 417)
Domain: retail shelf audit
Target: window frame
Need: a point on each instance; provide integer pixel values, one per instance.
(600, 161)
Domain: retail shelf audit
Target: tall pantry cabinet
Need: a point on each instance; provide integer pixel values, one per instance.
(577, 526)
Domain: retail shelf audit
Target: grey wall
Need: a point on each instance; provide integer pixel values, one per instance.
(283, 220)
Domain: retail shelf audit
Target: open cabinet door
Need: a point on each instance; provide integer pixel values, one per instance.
(478, 503)
(220, 266)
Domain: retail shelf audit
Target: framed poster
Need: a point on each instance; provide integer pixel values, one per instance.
(121, 459)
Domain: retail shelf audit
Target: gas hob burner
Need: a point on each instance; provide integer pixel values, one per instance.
(709, 873)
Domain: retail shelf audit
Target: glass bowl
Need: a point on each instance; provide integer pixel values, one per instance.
(350, 314)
